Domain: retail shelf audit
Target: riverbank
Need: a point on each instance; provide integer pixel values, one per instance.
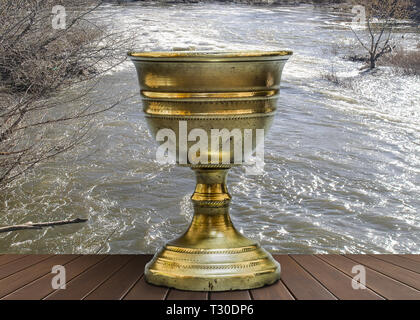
(335, 5)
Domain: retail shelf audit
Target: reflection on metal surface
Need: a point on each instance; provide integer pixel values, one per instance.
(183, 95)
(210, 90)
(210, 55)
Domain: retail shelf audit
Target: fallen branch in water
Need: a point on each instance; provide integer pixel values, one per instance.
(40, 225)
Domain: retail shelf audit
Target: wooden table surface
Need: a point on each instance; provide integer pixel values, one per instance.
(121, 277)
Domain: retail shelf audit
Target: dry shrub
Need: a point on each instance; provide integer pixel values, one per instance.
(38, 59)
(332, 76)
(406, 62)
(36, 62)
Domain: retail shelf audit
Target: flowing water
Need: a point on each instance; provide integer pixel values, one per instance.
(342, 162)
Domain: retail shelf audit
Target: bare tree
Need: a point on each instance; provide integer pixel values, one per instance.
(38, 61)
(380, 19)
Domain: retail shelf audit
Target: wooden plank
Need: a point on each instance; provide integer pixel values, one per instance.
(6, 258)
(400, 261)
(230, 295)
(144, 291)
(414, 257)
(395, 272)
(120, 282)
(20, 264)
(334, 280)
(276, 291)
(300, 283)
(25, 276)
(381, 284)
(186, 295)
(89, 280)
(116, 277)
(41, 287)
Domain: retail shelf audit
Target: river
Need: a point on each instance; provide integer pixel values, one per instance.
(342, 171)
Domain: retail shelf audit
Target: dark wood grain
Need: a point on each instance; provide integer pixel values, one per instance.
(411, 257)
(391, 270)
(276, 291)
(19, 264)
(144, 291)
(27, 275)
(88, 281)
(42, 287)
(301, 284)
(6, 258)
(400, 261)
(334, 280)
(381, 284)
(116, 287)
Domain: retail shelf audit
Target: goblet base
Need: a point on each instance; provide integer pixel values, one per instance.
(221, 269)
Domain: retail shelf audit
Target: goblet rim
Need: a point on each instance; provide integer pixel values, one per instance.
(180, 55)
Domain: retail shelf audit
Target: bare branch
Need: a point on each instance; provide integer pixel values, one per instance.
(40, 225)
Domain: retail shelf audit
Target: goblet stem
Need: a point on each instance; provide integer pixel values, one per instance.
(212, 255)
(211, 227)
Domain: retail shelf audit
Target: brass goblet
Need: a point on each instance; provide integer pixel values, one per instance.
(208, 91)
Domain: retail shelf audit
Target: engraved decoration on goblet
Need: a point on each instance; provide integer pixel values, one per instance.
(208, 91)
